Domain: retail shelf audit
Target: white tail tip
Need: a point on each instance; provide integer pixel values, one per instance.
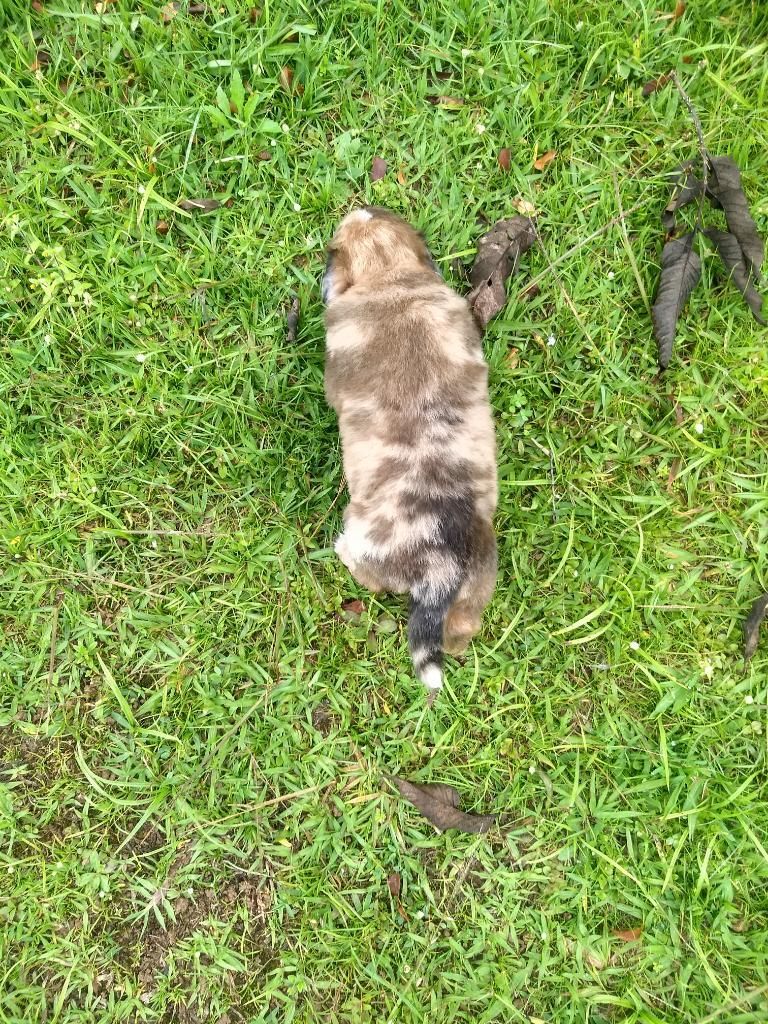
(432, 677)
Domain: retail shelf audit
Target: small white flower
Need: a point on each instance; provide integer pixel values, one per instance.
(579, 26)
(190, 369)
(634, 645)
(134, 297)
(532, 769)
(699, 428)
(310, 242)
(749, 699)
(466, 53)
(273, 142)
(140, 357)
(190, 891)
(611, 275)
(481, 72)
(142, 190)
(708, 669)
(551, 341)
(479, 128)
(153, 544)
(297, 207)
(48, 339)
(284, 128)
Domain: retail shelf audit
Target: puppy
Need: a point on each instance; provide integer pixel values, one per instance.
(406, 376)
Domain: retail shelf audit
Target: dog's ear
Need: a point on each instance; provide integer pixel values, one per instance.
(336, 278)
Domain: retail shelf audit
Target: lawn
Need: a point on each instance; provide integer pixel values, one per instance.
(196, 719)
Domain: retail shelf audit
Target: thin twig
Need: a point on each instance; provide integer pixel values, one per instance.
(703, 151)
(627, 246)
(580, 245)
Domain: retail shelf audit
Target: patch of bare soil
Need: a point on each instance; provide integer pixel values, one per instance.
(243, 903)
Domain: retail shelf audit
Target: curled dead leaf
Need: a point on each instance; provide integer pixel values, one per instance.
(628, 934)
(42, 60)
(292, 319)
(439, 804)
(163, 227)
(756, 615)
(254, 14)
(513, 358)
(498, 254)
(452, 102)
(199, 205)
(288, 82)
(505, 159)
(524, 207)
(265, 154)
(394, 883)
(544, 160)
(378, 168)
(352, 609)
(655, 84)
(401, 177)
(169, 11)
(197, 10)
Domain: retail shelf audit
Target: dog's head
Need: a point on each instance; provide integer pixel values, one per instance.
(371, 244)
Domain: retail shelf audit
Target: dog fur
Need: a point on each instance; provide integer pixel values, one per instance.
(406, 376)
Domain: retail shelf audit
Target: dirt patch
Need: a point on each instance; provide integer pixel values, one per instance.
(241, 903)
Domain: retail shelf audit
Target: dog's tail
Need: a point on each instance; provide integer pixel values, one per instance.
(429, 607)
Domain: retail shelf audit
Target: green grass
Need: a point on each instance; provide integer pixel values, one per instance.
(194, 824)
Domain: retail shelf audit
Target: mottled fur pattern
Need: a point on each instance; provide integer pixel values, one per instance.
(406, 375)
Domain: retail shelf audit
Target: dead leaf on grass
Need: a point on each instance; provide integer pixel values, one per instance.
(287, 81)
(628, 934)
(265, 154)
(674, 469)
(378, 168)
(439, 804)
(401, 178)
(169, 11)
(655, 84)
(394, 883)
(42, 60)
(680, 273)
(498, 254)
(199, 205)
(37, 7)
(163, 227)
(524, 207)
(453, 102)
(544, 160)
(254, 14)
(292, 319)
(352, 609)
(513, 358)
(756, 615)
(505, 159)
(197, 10)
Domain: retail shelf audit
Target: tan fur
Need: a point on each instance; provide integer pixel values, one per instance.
(406, 376)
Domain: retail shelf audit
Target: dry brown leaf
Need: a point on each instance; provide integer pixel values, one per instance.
(378, 168)
(505, 159)
(544, 160)
(498, 253)
(679, 9)
(199, 205)
(197, 10)
(655, 84)
(756, 615)
(628, 934)
(265, 154)
(254, 14)
(292, 319)
(674, 469)
(513, 358)
(42, 60)
(439, 804)
(352, 609)
(169, 11)
(287, 81)
(530, 292)
(446, 101)
(65, 84)
(394, 884)
(163, 227)
(524, 207)
(37, 6)
(401, 178)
